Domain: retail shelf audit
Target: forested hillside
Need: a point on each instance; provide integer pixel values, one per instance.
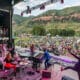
(68, 18)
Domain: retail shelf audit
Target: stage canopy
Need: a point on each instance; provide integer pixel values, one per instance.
(7, 4)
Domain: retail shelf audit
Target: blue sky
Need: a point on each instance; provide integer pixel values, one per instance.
(22, 6)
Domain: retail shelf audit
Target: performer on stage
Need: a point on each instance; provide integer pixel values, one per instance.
(76, 67)
(9, 61)
(46, 57)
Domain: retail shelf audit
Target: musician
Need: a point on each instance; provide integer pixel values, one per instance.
(76, 67)
(46, 57)
(9, 62)
(36, 62)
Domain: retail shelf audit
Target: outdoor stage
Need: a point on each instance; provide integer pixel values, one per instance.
(56, 74)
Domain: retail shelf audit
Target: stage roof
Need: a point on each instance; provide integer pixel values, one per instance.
(5, 5)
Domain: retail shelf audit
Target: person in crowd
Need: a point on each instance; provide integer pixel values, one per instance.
(1, 61)
(46, 57)
(32, 49)
(76, 45)
(9, 62)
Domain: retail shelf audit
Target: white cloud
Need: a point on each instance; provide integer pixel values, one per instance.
(20, 6)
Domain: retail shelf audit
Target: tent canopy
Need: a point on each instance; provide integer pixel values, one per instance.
(5, 5)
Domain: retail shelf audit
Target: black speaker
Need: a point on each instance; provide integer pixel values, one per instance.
(62, 1)
(46, 74)
(1, 65)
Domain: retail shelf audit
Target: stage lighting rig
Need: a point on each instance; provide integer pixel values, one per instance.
(41, 6)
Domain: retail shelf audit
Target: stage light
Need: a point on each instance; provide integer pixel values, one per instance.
(21, 13)
(42, 7)
(28, 10)
(62, 1)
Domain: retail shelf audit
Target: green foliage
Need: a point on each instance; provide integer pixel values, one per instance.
(62, 32)
(66, 32)
(38, 30)
(18, 19)
(53, 32)
(78, 33)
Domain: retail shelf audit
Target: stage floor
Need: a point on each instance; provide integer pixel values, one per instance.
(56, 74)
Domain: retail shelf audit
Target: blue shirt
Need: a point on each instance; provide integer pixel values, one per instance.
(46, 55)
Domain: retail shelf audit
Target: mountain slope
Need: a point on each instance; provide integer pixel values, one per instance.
(66, 18)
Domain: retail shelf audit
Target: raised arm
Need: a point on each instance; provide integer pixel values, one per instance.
(74, 55)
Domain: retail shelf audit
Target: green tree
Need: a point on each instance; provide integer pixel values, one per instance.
(54, 32)
(38, 30)
(66, 32)
(62, 32)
